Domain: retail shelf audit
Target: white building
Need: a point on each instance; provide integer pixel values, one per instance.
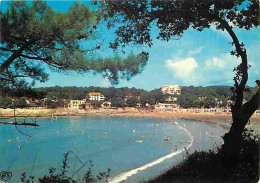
(96, 96)
(164, 106)
(171, 89)
(76, 104)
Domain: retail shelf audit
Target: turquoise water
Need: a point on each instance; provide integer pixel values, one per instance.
(121, 149)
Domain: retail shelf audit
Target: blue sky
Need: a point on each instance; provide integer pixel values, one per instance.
(198, 58)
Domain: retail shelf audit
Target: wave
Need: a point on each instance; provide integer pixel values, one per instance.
(125, 175)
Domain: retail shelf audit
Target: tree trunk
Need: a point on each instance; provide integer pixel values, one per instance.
(234, 138)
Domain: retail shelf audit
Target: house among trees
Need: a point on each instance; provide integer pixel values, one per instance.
(165, 106)
(76, 104)
(106, 104)
(171, 89)
(130, 96)
(96, 96)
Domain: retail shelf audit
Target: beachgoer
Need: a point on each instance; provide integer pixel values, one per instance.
(176, 148)
(159, 143)
(189, 141)
(181, 140)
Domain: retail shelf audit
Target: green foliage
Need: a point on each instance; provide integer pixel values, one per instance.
(20, 103)
(62, 177)
(133, 19)
(205, 166)
(34, 36)
(5, 101)
(129, 97)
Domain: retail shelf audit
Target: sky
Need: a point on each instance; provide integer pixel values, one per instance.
(198, 59)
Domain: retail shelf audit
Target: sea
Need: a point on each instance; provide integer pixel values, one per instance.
(133, 148)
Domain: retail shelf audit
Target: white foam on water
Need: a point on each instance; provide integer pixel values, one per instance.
(125, 175)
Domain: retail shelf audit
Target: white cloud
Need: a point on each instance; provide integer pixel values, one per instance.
(183, 68)
(215, 62)
(196, 51)
(105, 83)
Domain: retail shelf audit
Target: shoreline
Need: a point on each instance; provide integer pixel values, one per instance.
(121, 112)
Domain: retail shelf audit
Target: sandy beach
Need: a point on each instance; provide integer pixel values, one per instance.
(135, 112)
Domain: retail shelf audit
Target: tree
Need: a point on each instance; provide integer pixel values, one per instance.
(133, 21)
(34, 36)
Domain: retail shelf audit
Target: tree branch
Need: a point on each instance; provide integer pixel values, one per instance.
(244, 67)
(253, 104)
(15, 54)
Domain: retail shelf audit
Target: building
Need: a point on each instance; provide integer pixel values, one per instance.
(166, 106)
(171, 99)
(106, 104)
(131, 96)
(76, 104)
(96, 96)
(171, 89)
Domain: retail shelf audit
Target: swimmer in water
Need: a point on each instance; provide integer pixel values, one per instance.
(82, 132)
(133, 131)
(106, 133)
(19, 147)
(10, 140)
(189, 141)
(176, 148)
(142, 137)
(159, 143)
(151, 136)
(181, 140)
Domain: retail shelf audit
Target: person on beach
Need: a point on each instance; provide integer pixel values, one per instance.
(176, 148)
(181, 140)
(189, 141)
